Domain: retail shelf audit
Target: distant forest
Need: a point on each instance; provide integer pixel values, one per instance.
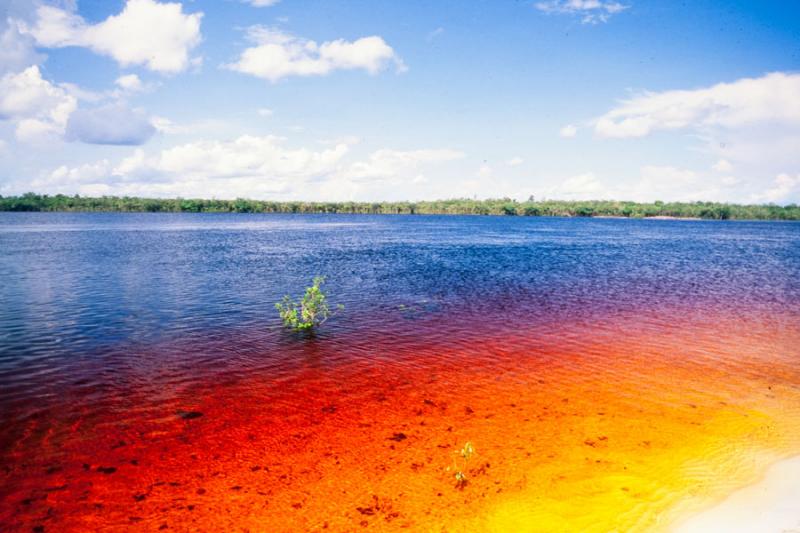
(504, 206)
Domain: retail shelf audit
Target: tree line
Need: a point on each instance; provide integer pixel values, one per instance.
(462, 206)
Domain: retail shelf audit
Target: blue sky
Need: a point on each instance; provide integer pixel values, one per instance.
(373, 100)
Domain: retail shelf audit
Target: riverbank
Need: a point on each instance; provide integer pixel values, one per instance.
(457, 206)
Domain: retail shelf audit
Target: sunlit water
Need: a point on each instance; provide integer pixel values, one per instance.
(611, 374)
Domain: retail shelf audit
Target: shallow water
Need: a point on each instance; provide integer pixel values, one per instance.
(610, 373)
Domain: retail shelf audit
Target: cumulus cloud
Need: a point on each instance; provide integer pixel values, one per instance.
(247, 156)
(277, 55)
(129, 82)
(751, 124)
(784, 188)
(255, 167)
(109, 124)
(567, 132)
(43, 111)
(773, 98)
(16, 49)
(247, 166)
(88, 173)
(590, 11)
(515, 162)
(159, 36)
(38, 108)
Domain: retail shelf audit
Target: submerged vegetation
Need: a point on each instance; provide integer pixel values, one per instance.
(310, 312)
(459, 467)
(502, 206)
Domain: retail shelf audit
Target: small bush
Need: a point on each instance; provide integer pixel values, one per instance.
(465, 453)
(310, 312)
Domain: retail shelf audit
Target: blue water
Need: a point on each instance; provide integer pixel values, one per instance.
(99, 286)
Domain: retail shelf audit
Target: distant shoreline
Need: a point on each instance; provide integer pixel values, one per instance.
(503, 207)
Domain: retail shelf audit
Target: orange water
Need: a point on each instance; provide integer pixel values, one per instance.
(621, 424)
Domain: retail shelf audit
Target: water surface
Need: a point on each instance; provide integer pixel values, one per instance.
(610, 373)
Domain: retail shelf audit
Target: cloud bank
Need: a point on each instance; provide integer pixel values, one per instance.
(248, 166)
(771, 98)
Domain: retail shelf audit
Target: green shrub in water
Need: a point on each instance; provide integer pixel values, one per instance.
(310, 312)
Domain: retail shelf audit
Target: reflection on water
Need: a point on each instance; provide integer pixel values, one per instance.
(610, 373)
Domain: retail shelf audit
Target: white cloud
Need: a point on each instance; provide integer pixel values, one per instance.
(590, 11)
(279, 55)
(771, 98)
(38, 108)
(723, 165)
(261, 3)
(247, 156)
(515, 161)
(157, 35)
(193, 128)
(581, 187)
(254, 167)
(43, 111)
(129, 85)
(672, 184)
(567, 132)
(653, 182)
(164, 125)
(397, 164)
(86, 95)
(385, 174)
(766, 149)
(109, 124)
(16, 49)
(264, 112)
(247, 166)
(751, 124)
(88, 173)
(129, 82)
(784, 189)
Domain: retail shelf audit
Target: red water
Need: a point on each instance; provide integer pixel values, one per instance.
(622, 423)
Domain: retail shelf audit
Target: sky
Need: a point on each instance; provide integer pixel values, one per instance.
(373, 100)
